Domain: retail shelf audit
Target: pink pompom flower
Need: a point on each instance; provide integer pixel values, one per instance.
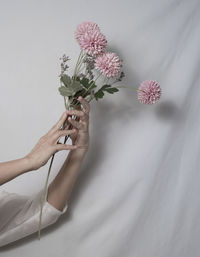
(86, 26)
(149, 92)
(93, 42)
(109, 64)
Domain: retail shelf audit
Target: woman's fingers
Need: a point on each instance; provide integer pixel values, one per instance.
(85, 104)
(79, 113)
(60, 147)
(62, 133)
(76, 124)
(60, 122)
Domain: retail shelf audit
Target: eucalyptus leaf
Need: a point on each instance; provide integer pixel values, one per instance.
(76, 86)
(99, 94)
(85, 82)
(112, 90)
(105, 86)
(64, 91)
(66, 80)
(91, 87)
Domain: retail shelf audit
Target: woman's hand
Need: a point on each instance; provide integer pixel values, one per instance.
(48, 144)
(80, 124)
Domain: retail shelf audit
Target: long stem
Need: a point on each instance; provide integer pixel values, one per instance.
(65, 102)
(77, 64)
(80, 63)
(43, 196)
(80, 70)
(126, 87)
(130, 88)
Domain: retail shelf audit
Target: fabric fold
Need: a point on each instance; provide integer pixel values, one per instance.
(19, 215)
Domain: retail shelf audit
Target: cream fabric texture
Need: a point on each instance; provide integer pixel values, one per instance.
(19, 215)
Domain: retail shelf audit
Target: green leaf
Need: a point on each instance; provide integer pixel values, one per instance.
(85, 82)
(76, 86)
(93, 86)
(66, 80)
(105, 86)
(64, 91)
(99, 94)
(70, 90)
(112, 90)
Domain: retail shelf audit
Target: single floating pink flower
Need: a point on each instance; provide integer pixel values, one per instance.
(93, 42)
(86, 26)
(149, 92)
(109, 64)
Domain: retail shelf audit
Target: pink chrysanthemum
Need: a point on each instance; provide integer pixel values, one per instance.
(109, 64)
(86, 26)
(93, 42)
(149, 92)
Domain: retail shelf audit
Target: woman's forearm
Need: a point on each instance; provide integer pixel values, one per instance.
(12, 169)
(61, 187)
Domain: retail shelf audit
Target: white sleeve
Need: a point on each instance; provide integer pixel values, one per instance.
(19, 215)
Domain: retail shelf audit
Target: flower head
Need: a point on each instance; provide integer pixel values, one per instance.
(86, 26)
(149, 92)
(93, 42)
(109, 64)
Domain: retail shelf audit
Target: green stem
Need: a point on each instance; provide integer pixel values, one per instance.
(80, 63)
(107, 80)
(130, 88)
(43, 196)
(91, 84)
(65, 102)
(77, 63)
(126, 87)
(84, 67)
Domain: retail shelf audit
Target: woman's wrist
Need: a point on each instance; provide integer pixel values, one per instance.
(78, 153)
(28, 163)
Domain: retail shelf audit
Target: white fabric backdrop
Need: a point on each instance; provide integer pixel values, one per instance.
(138, 190)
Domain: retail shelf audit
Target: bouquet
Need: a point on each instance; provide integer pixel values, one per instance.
(94, 63)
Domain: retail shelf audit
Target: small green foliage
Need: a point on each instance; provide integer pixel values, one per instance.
(85, 82)
(76, 86)
(99, 94)
(64, 91)
(70, 87)
(106, 88)
(88, 84)
(66, 80)
(112, 90)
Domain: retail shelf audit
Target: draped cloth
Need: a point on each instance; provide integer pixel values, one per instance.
(19, 215)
